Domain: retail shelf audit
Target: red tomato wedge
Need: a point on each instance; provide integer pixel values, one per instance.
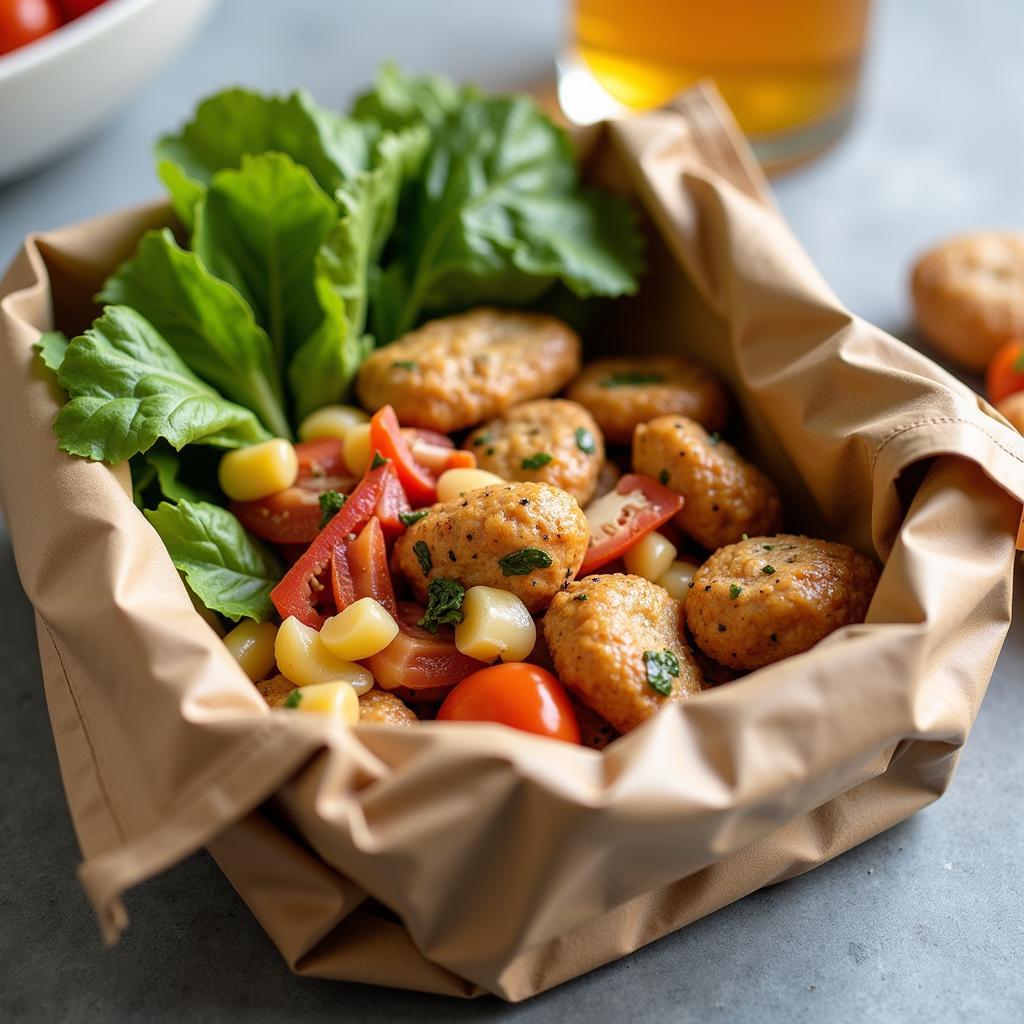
(621, 517)
(304, 585)
(520, 695)
(418, 660)
(392, 504)
(386, 438)
(360, 569)
(322, 466)
(434, 437)
(291, 516)
(436, 452)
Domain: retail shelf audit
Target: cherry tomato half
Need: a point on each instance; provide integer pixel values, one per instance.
(76, 8)
(621, 517)
(1005, 373)
(520, 695)
(24, 21)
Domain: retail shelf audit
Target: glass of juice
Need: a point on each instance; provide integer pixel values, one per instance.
(787, 68)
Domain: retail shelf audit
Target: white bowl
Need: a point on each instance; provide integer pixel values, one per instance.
(56, 90)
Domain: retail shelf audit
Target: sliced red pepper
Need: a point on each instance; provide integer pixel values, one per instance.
(367, 558)
(386, 438)
(300, 591)
(341, 578)
(392, 504)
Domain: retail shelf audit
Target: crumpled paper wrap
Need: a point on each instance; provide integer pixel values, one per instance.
(461, 858)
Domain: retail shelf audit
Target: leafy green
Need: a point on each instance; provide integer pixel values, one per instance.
(260, 228)
(205, 320)
(497, 216)
(237, 122)
(52, 346)
(524, 561)
(331, 503)
(166, 465)
(128, 387)
(398, 100)
(226, 569)
(444, 605)
(662, 667)
(294, 699)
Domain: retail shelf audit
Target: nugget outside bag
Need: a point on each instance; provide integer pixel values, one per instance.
(463, 858)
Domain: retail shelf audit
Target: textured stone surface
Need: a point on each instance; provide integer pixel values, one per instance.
(922, 924)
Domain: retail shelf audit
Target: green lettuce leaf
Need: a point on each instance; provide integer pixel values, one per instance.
(207, 322)
(497, 216)
(52, 346)
(398, 100)
(260, 228)
(127, 387)
(237, 122)
(229, 571)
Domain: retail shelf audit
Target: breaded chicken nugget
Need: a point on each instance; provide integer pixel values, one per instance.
(548, 440)
(726, 496)
(766, 598)
(617, 643)
(622, 393)
(460, 370)
(528, 539)
(378, 707)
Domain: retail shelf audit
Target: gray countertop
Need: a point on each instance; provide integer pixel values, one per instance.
(924, 923)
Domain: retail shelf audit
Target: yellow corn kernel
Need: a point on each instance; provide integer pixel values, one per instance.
(305, 660)
(359, 631)
(246, 474)
(454, 483)
(356, 448)
(676, 579)
(338, 699)
(495, 624)
(650, 556)
(331, 421)
(252, 645)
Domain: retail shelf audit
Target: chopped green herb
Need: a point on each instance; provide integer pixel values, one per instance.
(619, 380)
(585, 441)
(714, 438)
(521, 563)
(412, 517)
(293, 699)
(734, 591)
(768, 547)
(422, 553)
(444, 605)
(404, 364)
(330, 504)
(580, 597)
(536, 460)
(662, 668)
(768, 569)
(481, 439)
(663, 477)
(378, 460)
(489, 451)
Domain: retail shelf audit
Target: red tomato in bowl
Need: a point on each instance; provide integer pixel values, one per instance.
(518, 694)
(25, 21)
(76, 8)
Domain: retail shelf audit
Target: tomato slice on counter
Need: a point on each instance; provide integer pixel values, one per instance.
(386, 438)
(304, 585)
(621, 517)
(360, 569)
(518, 694)
(417, 660)
(1005, 373)
(322, 466)
(291, 516)
(392, 504)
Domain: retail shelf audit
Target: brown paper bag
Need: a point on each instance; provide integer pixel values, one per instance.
(463, 858)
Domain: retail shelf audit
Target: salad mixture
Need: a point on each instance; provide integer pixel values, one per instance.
(337, 388)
